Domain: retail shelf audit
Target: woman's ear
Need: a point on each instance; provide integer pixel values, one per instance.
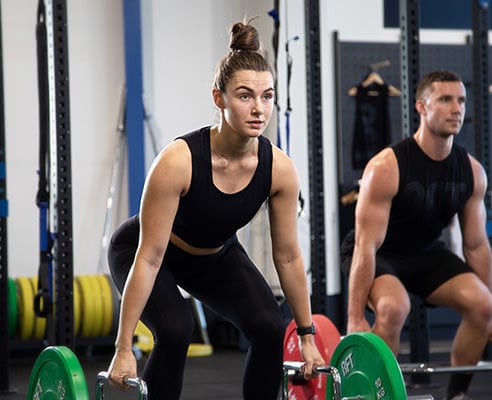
(218, 99)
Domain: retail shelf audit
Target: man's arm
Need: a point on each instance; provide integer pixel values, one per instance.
(379, 184)
(476, 248)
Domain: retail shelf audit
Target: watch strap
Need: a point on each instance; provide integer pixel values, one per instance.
(306, 330)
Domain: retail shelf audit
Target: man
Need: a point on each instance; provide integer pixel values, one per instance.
(409, 193)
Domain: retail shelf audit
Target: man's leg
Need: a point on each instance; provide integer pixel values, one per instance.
(391, 304)
(467, 295)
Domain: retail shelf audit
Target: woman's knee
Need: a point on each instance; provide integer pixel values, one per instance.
(174, 333)
(263, 327)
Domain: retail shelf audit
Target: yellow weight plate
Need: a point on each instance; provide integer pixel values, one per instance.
(39, 322)
(87, 323)
(107, 304)
(77, 307)
(200, 350)
(96, 304)
(145, 339)
(25, 300)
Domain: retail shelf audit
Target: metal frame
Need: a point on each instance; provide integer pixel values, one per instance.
(410, 74)
(134, 115)
(315, 145)
(409, 63)
(481, 124)
(62, 213)
(4, 271)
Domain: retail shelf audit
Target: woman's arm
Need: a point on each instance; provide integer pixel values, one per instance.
(287, 255)
(167, 180)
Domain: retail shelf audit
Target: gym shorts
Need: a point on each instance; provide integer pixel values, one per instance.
(420, 273)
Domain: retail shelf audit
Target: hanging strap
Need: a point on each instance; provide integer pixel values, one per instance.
(42, 299)
(289, 75)
(288, 111)
(274, 13)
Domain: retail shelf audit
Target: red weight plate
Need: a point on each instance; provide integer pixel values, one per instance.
(327, 338)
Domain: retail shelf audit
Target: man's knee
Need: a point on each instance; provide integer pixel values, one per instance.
(481, 309)
(392, 313)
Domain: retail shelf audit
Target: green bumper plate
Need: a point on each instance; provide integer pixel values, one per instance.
(367, 368)
(57, 375)
(13, 308)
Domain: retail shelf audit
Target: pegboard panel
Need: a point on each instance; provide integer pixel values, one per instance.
(353, 65)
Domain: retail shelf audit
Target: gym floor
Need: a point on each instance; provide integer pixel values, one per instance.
(218, 377)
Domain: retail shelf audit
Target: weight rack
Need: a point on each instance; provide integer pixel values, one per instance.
(61, 331)
(315, 146)
(61, 171)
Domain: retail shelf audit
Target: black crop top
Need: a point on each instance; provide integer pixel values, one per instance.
(207, 217)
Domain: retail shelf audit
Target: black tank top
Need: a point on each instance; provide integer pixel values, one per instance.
(206, 216)
(430, 193)
(372, 126)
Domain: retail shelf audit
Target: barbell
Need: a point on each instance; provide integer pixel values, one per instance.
(57, 374)
(361, 366)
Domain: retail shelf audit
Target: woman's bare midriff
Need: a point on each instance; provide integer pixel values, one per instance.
(196, 251)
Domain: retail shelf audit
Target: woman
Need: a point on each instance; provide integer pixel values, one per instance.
(200, 190)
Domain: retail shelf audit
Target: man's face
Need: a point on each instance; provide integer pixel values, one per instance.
(443, 107)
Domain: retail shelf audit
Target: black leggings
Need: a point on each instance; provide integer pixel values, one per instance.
(227, 282)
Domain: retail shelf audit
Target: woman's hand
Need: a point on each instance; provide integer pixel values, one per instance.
(123, 365)
(311, 356)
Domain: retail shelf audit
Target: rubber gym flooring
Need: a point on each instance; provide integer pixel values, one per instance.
(218, 377)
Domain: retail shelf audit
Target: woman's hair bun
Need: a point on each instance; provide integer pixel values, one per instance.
(244, 37)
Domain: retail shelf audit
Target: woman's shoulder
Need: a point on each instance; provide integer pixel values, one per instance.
(175, 155)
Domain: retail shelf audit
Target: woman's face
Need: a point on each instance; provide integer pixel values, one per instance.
(248, 101)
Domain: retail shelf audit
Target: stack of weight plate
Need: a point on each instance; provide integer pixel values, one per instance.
(95, 305)
(29, 326)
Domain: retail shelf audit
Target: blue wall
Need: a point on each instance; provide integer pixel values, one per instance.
(437, 14)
